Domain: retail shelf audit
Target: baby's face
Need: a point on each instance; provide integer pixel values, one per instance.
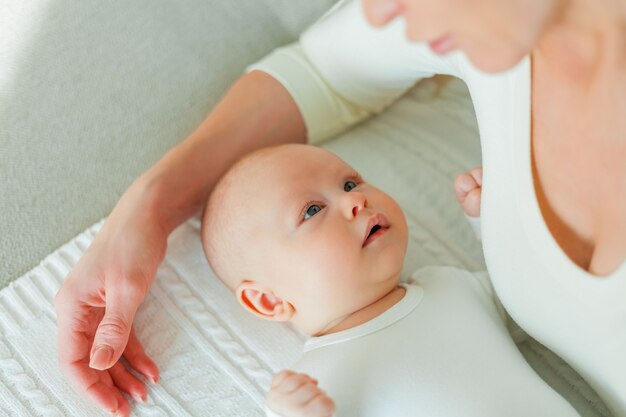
(328, 242)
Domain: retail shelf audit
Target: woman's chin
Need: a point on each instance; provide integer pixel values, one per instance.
(495, 62)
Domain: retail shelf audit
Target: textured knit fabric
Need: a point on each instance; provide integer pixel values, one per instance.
(580, 317)
(215, 358)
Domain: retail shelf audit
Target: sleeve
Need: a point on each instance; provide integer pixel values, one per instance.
(343, 70)
(325, 112)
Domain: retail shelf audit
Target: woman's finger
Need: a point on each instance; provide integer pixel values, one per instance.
(128, 383)
(123, 409)
(98, 388)
(138, 360)
(76, 324)
(123, 298)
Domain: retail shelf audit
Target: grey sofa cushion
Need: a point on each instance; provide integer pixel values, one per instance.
(93, 93)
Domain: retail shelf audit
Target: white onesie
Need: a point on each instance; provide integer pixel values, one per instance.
(443, 350)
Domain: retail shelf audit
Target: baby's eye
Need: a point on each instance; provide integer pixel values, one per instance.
(349, 185)
(312, 210)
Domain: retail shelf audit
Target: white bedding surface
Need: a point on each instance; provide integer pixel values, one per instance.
(215, 359)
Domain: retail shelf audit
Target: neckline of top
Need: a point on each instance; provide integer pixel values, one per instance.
(561, 266)
(411, 299)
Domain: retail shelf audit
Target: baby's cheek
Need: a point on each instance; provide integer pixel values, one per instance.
(330, 253)
(335, 258)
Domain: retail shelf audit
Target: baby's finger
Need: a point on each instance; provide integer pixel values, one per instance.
(477, 174)
(297, 402)
(128, 383)
(320, 406)
(280, 377)
(471, 204)
(292, 383)
(304, 393)
(463, 184)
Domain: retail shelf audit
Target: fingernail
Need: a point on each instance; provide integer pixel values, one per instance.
(101, 357)
(139, 398)
(151, 379)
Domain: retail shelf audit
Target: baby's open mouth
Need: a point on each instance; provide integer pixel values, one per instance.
(374, 229)
(376, 226)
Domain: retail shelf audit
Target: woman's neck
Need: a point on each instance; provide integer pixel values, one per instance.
(586, 41)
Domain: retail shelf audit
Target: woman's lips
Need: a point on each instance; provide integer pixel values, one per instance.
(442, 45)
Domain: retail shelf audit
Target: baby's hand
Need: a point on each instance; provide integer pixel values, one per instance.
(468, 188)
(297, 395)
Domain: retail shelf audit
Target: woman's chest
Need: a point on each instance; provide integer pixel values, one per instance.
(579, 170)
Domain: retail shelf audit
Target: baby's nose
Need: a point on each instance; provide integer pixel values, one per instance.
(356, 202)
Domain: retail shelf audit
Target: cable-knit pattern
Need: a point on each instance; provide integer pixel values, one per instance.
(213, 337)
(10, 405)
(215, 359)
(23, 385)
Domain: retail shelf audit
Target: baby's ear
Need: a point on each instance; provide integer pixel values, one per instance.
(262, 302)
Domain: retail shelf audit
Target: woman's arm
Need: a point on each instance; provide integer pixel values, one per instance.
(256, 112)
(97, 303)
(371, 67)
(342, 70)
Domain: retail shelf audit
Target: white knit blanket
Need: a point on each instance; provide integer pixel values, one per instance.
(215, 359)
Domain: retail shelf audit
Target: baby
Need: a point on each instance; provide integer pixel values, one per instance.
(300, 237)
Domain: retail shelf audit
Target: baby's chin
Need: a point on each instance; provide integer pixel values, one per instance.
(388, 266)
(381, 288)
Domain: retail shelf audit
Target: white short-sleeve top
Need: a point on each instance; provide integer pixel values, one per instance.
(343, 70)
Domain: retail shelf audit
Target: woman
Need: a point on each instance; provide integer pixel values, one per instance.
(554, 149)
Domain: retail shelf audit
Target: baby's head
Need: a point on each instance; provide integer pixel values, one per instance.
(298, 236)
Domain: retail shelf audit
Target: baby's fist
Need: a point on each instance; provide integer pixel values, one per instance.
(297, 395)
(467, 187)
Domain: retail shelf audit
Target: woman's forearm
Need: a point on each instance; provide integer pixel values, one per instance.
(256, 112)
(97, 303)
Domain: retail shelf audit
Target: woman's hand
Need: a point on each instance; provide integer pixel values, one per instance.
(97, 303)
(297, 395)
(468, 189)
